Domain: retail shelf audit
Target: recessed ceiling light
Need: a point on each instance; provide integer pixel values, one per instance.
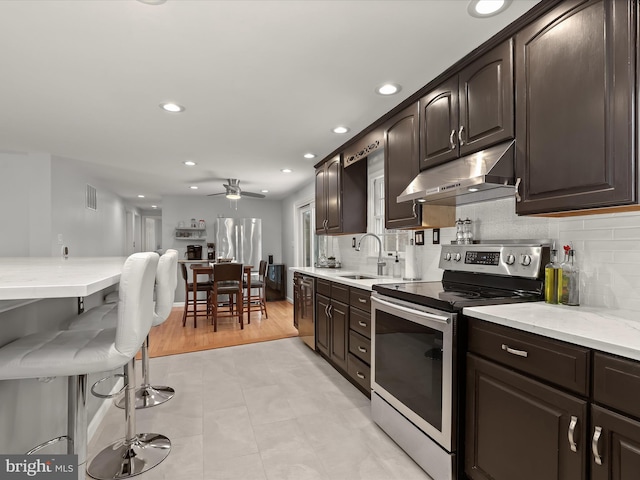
(189, 163)
(152, 2)
(309, 155)
(264, 191)
(172, 107)
(154, 206)
(140, 196)
(286, 170)
(193, 187)
(341, 130)
(388, 89)
(487, 8)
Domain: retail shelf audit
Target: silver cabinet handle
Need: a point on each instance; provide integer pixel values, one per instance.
(362, 300)
(414, 208)
(330, 311)
(513, 351)
(517, 188)
(570, 434)
(326, 310)
(362, 324)
(452, 142)
(362, 349)
(360, 375)
(460, 140)
(594, 445)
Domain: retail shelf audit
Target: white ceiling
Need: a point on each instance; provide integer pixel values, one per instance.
(263, 82)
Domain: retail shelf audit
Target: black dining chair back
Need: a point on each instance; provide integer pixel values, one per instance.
(227, 281)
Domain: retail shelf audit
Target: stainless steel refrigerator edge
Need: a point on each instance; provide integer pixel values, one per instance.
(240, 239)
(303, 308)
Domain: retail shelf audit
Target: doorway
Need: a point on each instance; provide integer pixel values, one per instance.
(306, 242)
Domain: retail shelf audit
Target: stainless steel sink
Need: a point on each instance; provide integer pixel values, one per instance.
(357, 277)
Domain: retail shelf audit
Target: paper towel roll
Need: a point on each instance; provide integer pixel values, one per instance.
(411, 267)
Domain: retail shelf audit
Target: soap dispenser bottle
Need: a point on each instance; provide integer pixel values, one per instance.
(396, 267)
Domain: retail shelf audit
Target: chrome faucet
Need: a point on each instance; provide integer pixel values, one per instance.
(381, 264)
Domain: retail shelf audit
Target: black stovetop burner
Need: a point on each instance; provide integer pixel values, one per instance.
(458, 290)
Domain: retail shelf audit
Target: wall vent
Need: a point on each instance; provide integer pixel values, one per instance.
(91, 198)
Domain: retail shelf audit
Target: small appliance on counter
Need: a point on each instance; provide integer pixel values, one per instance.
(211, 251)
(194, 252)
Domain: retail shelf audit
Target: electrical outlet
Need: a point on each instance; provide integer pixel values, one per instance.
(436, 236)
(353, 242)
(60, 241)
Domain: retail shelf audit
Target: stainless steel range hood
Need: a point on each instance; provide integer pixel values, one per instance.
(482, 176)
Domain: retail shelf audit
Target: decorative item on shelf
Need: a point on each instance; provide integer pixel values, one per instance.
(180, 224)
(202, 224)
(194, 224)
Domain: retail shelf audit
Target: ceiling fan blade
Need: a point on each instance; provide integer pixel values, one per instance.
(214, 194)
(251, 194)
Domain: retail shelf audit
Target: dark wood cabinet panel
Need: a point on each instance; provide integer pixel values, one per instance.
(470, 111)
(486, 100)
(339, 317)
(322, 324)
(575, 128)
(518, 428)
(341, 196)
(616, 384)
(401, 165)
(439, 124)
(615, 449)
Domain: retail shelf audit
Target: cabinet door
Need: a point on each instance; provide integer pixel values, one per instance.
(339, 333)
(333, 187)
(615, 451)
(439, 124)
(323, 326)
(486, 100)
(575, 125)
(517, 428)
(321, 200)
(401, 165)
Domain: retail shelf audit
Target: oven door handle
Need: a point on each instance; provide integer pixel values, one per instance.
(395, 306)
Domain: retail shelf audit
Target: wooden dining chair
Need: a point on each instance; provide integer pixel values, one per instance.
(227, 281)
(261, 298)
(191, 302)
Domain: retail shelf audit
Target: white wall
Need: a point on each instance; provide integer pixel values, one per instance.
(86, 232)
(25, 204)
(179, 208)
(288, 230)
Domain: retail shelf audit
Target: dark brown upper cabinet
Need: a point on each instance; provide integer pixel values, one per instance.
(341, 197)
(401, 165)
(575, 105)
(470, 111)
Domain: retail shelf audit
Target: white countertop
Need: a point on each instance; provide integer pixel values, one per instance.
(56, 277)
(611, 331)
(337, 275)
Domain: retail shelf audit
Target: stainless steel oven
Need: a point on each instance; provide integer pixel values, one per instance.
(419, 343)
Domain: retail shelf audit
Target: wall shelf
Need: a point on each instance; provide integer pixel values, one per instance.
(188, 233)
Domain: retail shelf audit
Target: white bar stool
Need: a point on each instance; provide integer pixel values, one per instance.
(78, 353)
(105, 316)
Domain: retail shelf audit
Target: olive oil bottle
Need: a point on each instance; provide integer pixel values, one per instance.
(553, 279)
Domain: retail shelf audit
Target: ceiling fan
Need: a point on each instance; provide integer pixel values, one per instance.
(233, 191)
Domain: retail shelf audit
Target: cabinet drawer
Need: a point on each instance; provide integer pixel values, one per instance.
(360, 346)
(360, 299)
(340, 292)
(323, 287)
(360, 322)
(616, 383)
(359, 371)
(557, 362)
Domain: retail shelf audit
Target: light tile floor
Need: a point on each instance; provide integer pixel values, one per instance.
(265, 411)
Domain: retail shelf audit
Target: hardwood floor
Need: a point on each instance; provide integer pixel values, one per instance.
(172, 338)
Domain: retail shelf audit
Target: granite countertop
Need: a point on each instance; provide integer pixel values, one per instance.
(337, 275)
(56, 277)
(611, 331)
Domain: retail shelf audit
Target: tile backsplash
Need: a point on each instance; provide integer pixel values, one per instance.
(607, 248)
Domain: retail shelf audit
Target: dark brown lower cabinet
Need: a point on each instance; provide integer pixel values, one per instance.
(519, 428)
(615, 446)
(332, 325)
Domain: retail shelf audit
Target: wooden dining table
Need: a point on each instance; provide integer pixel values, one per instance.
(200, 269)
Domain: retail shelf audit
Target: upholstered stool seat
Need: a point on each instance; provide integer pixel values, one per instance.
(78, 353)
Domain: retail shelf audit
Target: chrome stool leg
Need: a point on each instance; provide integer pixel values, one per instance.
(148, 395)
(137, 452)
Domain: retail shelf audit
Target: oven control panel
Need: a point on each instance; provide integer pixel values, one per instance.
(514, 260)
